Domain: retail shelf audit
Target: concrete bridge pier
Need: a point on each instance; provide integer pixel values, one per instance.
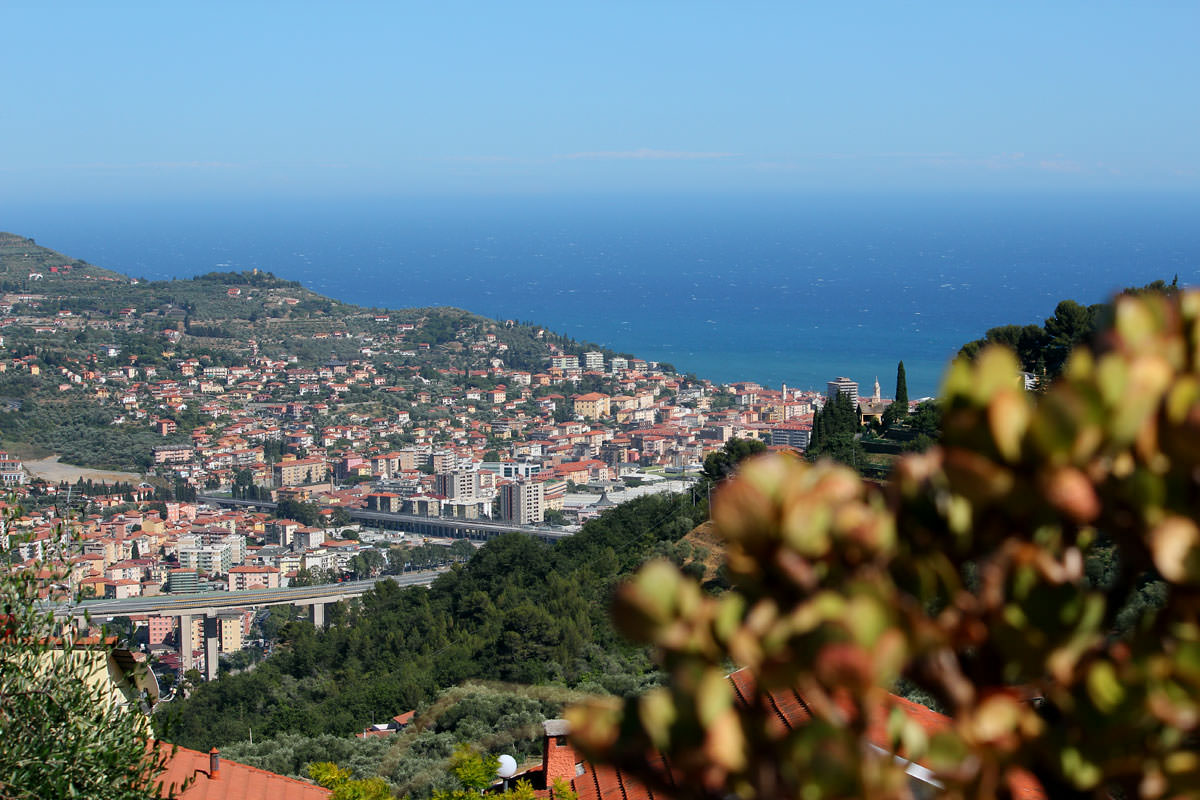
(212, 638)
(316, 613)
(184, 642)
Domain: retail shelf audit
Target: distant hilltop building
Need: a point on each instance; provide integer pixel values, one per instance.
(842, 385)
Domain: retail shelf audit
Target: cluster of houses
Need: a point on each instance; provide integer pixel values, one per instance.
(189, 549)
(397, 429)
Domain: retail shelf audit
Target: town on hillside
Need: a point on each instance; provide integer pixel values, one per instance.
(257, 463)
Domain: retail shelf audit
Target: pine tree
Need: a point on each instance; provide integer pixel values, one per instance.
(901, 402)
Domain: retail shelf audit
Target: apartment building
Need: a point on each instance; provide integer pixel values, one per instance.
(842, 385)
(522, 503)
(300, 471)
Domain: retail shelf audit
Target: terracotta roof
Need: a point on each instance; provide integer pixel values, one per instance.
(603, 782)
(234, 781)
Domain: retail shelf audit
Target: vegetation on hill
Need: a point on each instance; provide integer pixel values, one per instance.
(520, 611)
(498, 718)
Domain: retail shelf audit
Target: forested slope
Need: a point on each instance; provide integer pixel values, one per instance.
(519, 611)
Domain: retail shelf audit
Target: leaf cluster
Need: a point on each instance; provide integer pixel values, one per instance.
(1035, 575)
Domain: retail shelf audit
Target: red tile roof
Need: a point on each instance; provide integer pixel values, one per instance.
(602, 782)
(234, 781)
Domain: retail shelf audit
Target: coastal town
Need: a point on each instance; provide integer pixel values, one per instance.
(399, 429)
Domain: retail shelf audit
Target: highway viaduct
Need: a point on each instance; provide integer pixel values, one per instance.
(207, 605)
(415, 523)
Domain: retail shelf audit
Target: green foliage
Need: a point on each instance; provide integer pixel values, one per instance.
(519, 610)
(64, 737)
(416, 761)
(473, 769)
(292, 753)
(1043, 349)
(307, 514)
(81, 433)
(835, 433)
(901, 401)
(1047, 548)
(722, 463)
(346, 787)
(561, 790)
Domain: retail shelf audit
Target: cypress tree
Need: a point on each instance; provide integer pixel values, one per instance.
(818, 431)
(901, 402)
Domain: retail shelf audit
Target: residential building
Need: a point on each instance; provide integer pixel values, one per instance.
(522, 502)
(207, 776)
(183, 581)
(245, 576)
(842, 385)
(299, 471)
(229, 631)
(461, 484)
(173, 454)
(565, 362)
(791, 434)
(592, 405)
(307, 539)
(12, 471)
(207, 559)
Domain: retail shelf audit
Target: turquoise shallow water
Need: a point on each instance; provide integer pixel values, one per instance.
(792, 290)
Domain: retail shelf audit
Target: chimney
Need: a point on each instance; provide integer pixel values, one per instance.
(214, 764)
(558, 756)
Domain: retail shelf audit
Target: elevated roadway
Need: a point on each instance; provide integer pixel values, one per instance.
(415, 523)
(207, 605)
(212, 602)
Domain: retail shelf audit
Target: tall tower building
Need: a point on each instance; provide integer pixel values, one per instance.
(461, 484)
(842, 385)
(523, 503)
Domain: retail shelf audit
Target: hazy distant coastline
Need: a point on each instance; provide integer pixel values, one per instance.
(773, 290)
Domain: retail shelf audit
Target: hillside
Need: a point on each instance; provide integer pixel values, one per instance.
(519, 611)
(80, 346)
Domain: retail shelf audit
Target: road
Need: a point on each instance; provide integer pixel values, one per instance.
(201, 602)
(415, 523)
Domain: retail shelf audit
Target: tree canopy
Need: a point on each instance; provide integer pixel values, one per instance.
(519, 611)
(835, 432)
(64, 734)
(901, 401)
(720, 464)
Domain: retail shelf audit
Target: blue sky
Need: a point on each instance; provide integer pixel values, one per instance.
(164, 100)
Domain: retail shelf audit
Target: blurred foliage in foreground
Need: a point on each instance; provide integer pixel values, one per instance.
(969, 580)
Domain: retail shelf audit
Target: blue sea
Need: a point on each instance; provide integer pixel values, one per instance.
(794, 290)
